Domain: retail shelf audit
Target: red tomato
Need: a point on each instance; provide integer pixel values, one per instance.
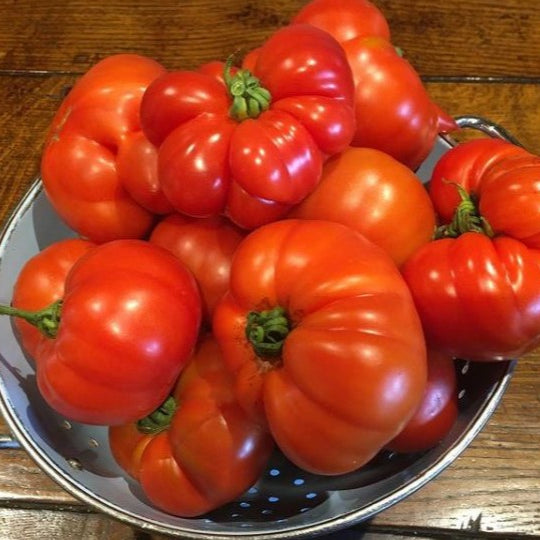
(375, 195)
(502, 180)
(438, 411)
(90, 155)
(41, 282)
(345, 19)
(206, 247)
(251, 145)
(477, 297)
(127, 322)
(394, 113)
(208, 451)
(321, 332)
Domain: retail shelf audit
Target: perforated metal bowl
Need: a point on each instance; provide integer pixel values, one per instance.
(286, 502)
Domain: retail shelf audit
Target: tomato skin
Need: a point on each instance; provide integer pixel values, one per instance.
(90, 128)
(111, 297)
(375, 195)
(137, 168)
(345, 19)
(477, 296)
(211, 453)
(502, 177)
(208, 159)
(352, 369)
(393, 111)
(206, 246)
(438, 411)
(41, 282)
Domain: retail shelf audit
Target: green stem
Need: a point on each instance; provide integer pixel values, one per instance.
(267, 331)
(160, 419)
(46, 320)
(249, 98)
(466, 218)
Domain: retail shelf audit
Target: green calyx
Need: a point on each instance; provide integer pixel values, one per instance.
(249, 98)
(466, 218)
(267, 331)
(46, 320)
(159, 420)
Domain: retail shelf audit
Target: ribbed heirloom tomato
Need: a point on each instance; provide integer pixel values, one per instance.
(200, 449)
(476, 287)
(477, 296)
(251, 144)
(322, 334)
(502, 180)
(114, 344)
(98, 169)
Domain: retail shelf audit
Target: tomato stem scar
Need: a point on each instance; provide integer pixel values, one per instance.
(160, 419)
(267, 331)
(249, 98)
(466, 218)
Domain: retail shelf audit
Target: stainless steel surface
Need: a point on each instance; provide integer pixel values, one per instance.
(285, 503)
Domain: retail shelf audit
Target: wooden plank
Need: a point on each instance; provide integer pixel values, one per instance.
(60, 525)
(483, 38)
(21, 481)
(56, 525)
(514, 106)
(60, 36)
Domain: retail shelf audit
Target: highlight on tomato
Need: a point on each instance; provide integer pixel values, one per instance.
(323, 336)
(99, 171)
(250, 144)
(393, 110)
(112, 346)
(375, 195)
(199, 449)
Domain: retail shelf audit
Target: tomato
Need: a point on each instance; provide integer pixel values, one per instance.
(322, 334)
(201, 450)
(477, 296)
(250, 145)
(206, 247)
(502, 180)
(122, 332)
(345, 19)
(393, 110)
(438, 411)
(41, 282)
(377, 196)
(94, 148)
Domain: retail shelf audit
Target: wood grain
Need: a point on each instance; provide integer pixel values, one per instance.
(441, 39)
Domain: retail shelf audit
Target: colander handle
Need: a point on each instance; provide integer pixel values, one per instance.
(486, 126)
(8, 442)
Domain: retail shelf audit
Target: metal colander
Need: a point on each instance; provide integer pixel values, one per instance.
(286, 502)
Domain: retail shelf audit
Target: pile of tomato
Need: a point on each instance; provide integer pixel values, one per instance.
(258, 266)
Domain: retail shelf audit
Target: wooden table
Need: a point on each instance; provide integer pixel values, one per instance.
(480, 57)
